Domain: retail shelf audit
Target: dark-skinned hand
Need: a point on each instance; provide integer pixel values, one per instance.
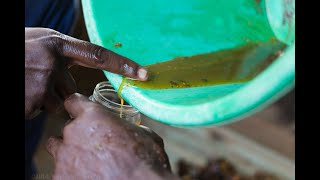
(98, 145)
(49, 54)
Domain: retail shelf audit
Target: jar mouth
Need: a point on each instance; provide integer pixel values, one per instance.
(105, 94)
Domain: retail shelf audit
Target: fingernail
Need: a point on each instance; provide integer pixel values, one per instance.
(142, 74)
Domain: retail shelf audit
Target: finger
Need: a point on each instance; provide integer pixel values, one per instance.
(76, 103)
(53, 145)
(158, 140)
(145, 128)
(153, 135)
(53, 103)
(93, 56)
(65, 84)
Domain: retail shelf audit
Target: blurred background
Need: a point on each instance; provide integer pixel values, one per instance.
(261, 142)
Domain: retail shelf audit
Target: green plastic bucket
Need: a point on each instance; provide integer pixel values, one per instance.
(159, 30)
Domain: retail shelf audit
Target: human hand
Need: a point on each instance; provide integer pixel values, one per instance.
(96, 144)
(49, 54)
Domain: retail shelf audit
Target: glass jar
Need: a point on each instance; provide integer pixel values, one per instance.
(107, 96)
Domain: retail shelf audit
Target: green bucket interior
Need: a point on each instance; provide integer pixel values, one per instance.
(159, 30)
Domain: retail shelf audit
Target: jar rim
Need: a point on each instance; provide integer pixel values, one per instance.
(98, 96)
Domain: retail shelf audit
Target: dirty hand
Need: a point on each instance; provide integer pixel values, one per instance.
(99, 145)
(49, 54)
